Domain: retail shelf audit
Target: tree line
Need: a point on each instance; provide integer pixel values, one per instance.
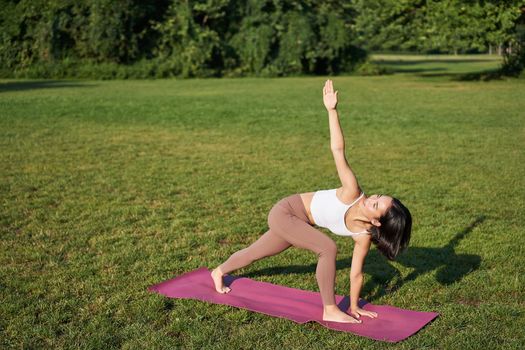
(202, 38)
(430, 26)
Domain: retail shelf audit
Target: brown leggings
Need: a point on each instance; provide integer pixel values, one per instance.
(289, 225)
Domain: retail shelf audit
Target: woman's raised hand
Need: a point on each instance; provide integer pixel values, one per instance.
(329, 96)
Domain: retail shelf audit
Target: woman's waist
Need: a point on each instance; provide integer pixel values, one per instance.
(295, 205)
(306, 198)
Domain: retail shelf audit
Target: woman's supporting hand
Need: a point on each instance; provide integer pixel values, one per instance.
(329, 96)
(358, 312)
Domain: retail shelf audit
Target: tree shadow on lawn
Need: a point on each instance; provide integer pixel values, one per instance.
(390, 70)
(39, 84)
(422, 61)
(486, 75)
(401, 66)
(451, 267)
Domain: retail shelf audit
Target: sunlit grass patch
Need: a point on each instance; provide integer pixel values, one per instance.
(108, 187)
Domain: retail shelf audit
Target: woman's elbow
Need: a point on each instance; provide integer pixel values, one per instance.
(337, 148)
(354, 276)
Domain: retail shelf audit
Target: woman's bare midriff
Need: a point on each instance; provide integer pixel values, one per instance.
(307, 200)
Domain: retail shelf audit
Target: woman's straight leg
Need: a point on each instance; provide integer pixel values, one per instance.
(268, 244)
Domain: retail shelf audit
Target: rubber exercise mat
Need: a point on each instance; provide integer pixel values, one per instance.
(392, 324)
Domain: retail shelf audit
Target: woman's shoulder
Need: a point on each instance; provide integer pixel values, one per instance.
(348, 196)
(362, 237)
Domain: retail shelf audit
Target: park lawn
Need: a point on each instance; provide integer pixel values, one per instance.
(108, 187)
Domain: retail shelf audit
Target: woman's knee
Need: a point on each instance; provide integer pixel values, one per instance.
(329, 248)
(275, 217)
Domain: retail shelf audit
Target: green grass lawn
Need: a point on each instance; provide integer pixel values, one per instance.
(108, 187)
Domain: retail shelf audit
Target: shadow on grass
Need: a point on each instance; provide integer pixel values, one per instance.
(414, 70)
(405, 66)
(412, 62)
(39, 84)
(486, 75)
(450, 267)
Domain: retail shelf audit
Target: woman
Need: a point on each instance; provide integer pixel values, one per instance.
(345, 211)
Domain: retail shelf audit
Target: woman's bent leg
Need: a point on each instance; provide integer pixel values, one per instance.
(302, 235)
(306, 237)
(268, 244)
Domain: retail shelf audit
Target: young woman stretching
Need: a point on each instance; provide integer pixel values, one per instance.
(345, 211)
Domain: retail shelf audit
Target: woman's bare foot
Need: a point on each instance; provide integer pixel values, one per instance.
(216, 274)
(334, 314)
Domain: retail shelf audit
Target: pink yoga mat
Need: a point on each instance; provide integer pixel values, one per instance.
(392, 324)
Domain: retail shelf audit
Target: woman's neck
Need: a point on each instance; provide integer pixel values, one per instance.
(356, 216)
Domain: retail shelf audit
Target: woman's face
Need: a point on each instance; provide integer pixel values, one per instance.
(376, 206)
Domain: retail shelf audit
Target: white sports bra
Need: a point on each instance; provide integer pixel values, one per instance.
(329, 212)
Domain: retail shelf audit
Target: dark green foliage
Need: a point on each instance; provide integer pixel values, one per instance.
(514, 60)
(101, 31)
(279, 37)
(179, 38)
(187, 42)
(445, 26)
(203, 38)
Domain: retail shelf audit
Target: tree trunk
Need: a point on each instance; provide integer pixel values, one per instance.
(490, 49)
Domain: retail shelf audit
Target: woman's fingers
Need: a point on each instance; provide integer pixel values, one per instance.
(355, 318)
(328, 87)
(369, 314)
(358, 313)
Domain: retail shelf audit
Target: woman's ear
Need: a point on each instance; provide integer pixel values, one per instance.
(375, 222)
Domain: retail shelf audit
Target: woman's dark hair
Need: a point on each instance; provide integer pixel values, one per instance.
(392, 237)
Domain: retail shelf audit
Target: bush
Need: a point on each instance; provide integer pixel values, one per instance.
(514, 63)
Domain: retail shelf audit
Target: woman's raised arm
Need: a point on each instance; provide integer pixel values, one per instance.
(337, 143)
